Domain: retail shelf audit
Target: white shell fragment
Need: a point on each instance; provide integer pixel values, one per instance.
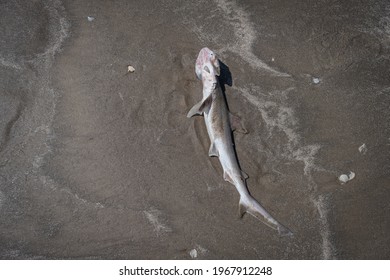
(130, 69)
(194, 253)
(90, 18)
(344, 178)
(316, 80)
(363, 149)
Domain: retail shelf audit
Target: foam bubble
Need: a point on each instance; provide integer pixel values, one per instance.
(58, 31)
(10, 64)
(154, 217)
(323, 208)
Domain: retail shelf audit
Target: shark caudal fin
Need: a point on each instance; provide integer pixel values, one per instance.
(250, 205)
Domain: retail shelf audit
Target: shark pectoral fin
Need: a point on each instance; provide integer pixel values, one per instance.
(200, 107)
(205, 106)
(237, 124)
(227, 177)
(195, 110)
(213, 152)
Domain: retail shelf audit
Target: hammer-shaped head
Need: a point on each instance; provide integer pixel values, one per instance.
(206, 61)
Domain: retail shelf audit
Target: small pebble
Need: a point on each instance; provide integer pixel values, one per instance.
(194, 253)
(363, 149)
(316, 80)
(130, 69)
(343, 178)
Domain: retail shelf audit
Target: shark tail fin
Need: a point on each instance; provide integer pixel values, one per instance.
(250, 205)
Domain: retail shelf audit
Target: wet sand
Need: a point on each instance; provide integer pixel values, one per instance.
(97, 163)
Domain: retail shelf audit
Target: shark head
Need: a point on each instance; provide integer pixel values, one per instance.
(209, 76)
(207, 58)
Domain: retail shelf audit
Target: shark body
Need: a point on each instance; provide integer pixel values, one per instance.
(219, 123)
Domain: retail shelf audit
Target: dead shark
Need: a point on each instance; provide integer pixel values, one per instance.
(220, 122)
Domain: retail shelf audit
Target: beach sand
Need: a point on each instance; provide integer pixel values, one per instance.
(99, 163)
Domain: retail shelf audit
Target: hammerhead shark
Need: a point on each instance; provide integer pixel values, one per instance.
(220, 123)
